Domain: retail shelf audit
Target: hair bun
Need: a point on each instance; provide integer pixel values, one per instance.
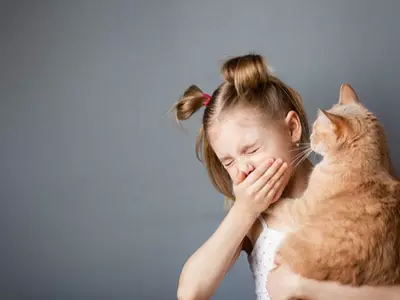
(245, 72)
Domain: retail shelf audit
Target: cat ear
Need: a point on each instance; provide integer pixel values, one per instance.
(347, 95)
(330, 120)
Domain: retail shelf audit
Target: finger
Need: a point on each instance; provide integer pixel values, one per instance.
(240, 176)
(276, 192)
(271, 189)
(268, 179)
(278, 259)
(258, 172)
(274, 266)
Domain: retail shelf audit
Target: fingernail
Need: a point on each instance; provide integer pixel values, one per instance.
(279, 160)
(270, 161)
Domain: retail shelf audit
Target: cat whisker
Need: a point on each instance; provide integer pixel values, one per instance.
(301, 152)
(300, 148)
(301, 160)
(296, 163)
(301, 157)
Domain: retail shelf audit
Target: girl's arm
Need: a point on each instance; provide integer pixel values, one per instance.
(283, 284)
(205, 269)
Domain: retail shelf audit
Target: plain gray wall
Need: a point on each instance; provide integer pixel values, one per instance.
(101, 195)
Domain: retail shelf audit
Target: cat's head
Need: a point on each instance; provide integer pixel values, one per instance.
(348, 130)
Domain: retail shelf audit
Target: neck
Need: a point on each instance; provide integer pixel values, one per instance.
(299, 180)
(351, 165)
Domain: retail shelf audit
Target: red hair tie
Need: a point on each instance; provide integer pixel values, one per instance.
(208, 98)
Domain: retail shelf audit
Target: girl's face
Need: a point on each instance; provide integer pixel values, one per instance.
(242, 139)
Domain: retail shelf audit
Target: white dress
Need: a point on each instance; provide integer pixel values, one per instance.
(261, 259)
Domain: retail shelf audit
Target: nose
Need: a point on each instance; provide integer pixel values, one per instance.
(246, 167)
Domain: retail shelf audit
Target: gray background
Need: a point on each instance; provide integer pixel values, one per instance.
(101, 195)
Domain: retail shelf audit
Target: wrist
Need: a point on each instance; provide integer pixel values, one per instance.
(300, 287)
(244, 212)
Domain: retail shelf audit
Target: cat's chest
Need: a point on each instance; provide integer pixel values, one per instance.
(322, 185)
(280, 220)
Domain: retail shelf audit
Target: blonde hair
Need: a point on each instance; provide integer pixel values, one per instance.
(246, 82)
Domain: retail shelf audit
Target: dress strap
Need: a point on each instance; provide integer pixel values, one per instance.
(262, 221)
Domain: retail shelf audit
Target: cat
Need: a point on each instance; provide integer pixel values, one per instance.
(346, 226)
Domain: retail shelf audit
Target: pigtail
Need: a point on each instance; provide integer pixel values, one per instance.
(190, 102)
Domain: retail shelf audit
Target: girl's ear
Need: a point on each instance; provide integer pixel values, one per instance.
(293, 123)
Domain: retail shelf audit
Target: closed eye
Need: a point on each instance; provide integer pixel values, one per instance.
(252, 151)
(228, 164)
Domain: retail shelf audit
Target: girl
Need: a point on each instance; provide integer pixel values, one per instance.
(253, 133)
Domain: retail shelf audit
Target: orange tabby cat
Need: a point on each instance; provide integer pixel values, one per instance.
(346, 226)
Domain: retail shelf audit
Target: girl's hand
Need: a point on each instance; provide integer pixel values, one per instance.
(283, 284)
(262, 187)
